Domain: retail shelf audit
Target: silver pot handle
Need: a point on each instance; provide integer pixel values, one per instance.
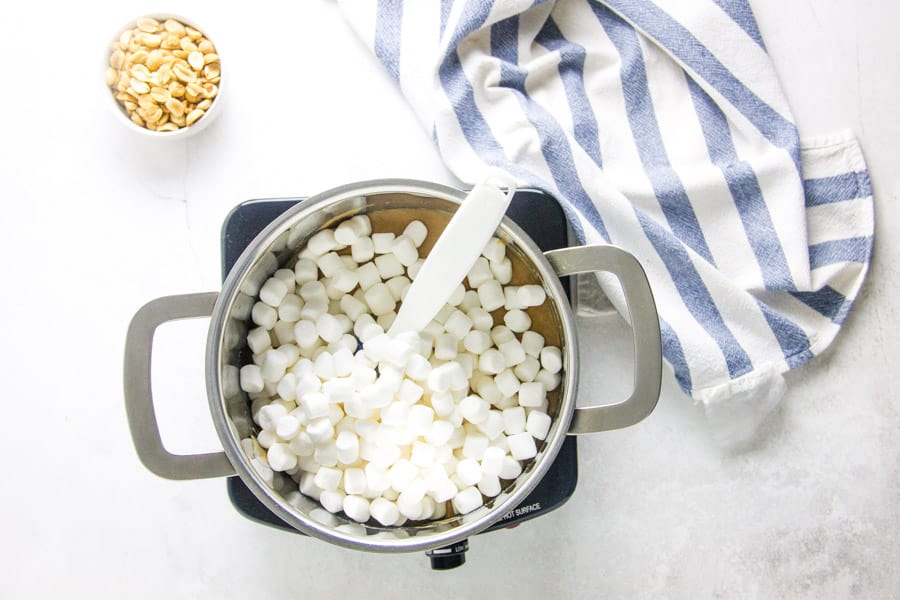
(645, 327)
(139, 395)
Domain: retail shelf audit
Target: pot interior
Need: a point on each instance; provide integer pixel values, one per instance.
(389, 208)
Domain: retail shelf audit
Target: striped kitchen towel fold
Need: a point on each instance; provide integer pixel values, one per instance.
(660, 127)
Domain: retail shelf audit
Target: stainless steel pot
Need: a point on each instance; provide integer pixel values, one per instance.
(226, 352)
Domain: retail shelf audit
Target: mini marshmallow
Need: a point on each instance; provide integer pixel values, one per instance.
(423, 455)
(501, 334)
(368, 275)
(474, 409)
(493, 424)
(273, 291)
(384, 511)
(305, 270)
(286, 276)
(445, 346)
(264, 315)
(416, 231)
(281, 458)
(329, 264)
(328, 479)
(469, 301)
(289, 309)
(380, 299)
(528, 369)
(467, 500)
(305, 333)
(442, 403)
(259, 340)
(490, 293)
(404, 249)
(475, 445)
(329, 328)
(480, 383)
(314, 307)
(418, 367)
(440, 433)
(388, 266)
(507, 382)
(448, 376)
(410, 393)
(274, 365)
(362, 250)
(344, 280)
(401, 474)
(512, 352)
(326, 454)
(308, 383)
(481, 319)
(538, 424)
(315, 406)
(251, 379)
(551, 359)
(469, 471)
(409, 502)
(302, 445)
(550, 380)
(376, 478)
(532, 394)
(383, 242)
(352, 307)
(287, 429)
(513, 420)
(489, 485)
(343, 362)
(444, 313)
(521, 446)
(375, 395)
(395, 413)
(491, 362)
(268, 416)
(511, 298)
(517, 320)
(420, 419)
(532, 295)
(492, 461)
(386, 320)
(479, 273)
(338, 390)
(322, 242)
(477, 342)
(349, 231)
(398, 286)
(502, 270)
(494, 250)
(332, 500)
(323, 366)
(312, 289)
(357, 508)
(511, 468)
(347, 445)
(458, 323)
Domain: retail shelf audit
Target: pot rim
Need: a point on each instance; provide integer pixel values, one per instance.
(273, 500)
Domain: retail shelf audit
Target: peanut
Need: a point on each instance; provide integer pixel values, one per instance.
(164, 75)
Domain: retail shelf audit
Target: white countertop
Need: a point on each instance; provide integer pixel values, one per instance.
(96, 222)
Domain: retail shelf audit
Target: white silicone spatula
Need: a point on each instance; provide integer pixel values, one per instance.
(455, 252)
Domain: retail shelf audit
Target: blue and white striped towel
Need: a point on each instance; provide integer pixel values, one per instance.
(661, 128)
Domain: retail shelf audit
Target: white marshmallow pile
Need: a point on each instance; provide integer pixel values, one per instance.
(394, 428)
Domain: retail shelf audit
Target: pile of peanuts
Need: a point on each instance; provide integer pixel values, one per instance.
(164, 75)
(411, 426)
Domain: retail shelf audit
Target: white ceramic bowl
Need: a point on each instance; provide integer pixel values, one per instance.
(119, 112)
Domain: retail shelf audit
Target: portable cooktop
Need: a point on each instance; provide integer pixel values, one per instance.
(542, 219)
